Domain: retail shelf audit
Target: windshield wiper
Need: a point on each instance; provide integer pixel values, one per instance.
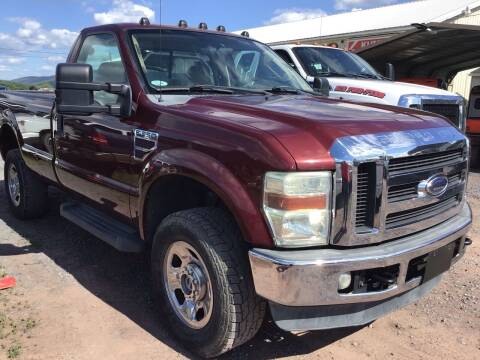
(283, 90)
(245, 90)
(197, 89)
(210, 89)
(213, 89)
(364, 76)
(327, 74)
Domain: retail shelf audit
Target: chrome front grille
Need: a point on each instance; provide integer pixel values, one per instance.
(424, 161)
(450, 111)
(377, 184)
(451, 107)
(364, 211)
(410, 190)
(404, 177)
(410, 216)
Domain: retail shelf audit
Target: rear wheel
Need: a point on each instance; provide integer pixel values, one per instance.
(27, 194)
(203, 282)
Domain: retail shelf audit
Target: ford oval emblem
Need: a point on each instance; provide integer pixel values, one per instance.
(433, 186)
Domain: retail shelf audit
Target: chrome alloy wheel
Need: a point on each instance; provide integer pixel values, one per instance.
(14, 184)
(188, 286)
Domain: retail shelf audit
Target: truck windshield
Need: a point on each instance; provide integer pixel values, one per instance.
(176, 59)
(319, 61)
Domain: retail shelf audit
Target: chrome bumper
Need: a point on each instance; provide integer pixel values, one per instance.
(310, 277)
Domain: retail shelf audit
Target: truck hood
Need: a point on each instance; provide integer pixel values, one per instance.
(393, 90)
(307, 126)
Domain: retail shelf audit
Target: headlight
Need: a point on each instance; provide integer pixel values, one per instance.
(297, 207)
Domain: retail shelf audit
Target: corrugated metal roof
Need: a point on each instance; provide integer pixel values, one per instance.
(439, 50)
(394, 16)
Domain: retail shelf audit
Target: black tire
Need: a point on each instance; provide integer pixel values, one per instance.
(237, 311)
(32, 200)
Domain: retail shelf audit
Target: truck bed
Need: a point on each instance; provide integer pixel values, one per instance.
(30, 111)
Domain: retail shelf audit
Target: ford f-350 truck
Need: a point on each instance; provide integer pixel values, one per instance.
(252, 192)
(352, 78)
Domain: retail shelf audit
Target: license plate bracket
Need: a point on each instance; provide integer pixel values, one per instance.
(439, 261)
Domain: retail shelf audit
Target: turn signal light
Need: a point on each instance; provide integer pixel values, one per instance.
(282, 202)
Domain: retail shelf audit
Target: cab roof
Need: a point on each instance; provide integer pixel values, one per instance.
(120, 27)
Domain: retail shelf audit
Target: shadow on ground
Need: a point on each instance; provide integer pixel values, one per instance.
(122, 281)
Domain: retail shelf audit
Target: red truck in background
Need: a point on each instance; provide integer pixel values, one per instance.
(252, 192)
(473, 125)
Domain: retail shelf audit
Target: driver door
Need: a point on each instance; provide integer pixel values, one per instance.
(94, 153)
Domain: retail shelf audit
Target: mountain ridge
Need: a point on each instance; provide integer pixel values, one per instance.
(33, 80)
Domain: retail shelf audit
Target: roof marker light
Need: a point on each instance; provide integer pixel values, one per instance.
(221, 28)
(245, 33)
(144, 21)
(182, 24)
(203, 26)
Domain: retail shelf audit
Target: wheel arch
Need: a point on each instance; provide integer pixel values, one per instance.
(9, 138)
(209, 177)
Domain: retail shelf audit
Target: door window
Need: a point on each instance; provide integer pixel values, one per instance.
(102, 53)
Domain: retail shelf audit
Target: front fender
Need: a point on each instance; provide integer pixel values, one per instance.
(8, 121)
(219, 179)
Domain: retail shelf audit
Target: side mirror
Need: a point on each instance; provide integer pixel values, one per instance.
(321, 85)
(74, 92)
(390, 71)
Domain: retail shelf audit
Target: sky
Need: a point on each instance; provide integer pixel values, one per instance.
(35, 35)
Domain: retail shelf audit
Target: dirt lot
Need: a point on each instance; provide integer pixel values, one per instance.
(77, 298)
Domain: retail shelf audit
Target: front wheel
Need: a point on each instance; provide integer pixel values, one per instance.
(202, 278)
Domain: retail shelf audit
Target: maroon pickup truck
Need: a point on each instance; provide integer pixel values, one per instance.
(251, 191)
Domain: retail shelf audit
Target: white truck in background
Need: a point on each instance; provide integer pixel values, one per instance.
(352, 78)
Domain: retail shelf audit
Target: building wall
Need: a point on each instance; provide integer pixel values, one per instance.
(463, 82)
(467, 19)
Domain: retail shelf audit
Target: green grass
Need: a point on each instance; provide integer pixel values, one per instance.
(13, 86)
(44, 85)
(15, 322)
(17, 86)
(14, 351)
(30, 324)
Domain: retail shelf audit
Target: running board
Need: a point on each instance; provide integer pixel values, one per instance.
(122, 237)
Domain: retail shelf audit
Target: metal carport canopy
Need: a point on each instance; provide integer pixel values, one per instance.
(433, 50)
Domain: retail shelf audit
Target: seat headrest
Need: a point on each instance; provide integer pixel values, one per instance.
(112, 72)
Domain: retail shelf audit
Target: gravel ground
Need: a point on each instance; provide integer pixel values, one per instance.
(77, 298)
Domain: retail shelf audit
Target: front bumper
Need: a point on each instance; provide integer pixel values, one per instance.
(302, 278)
